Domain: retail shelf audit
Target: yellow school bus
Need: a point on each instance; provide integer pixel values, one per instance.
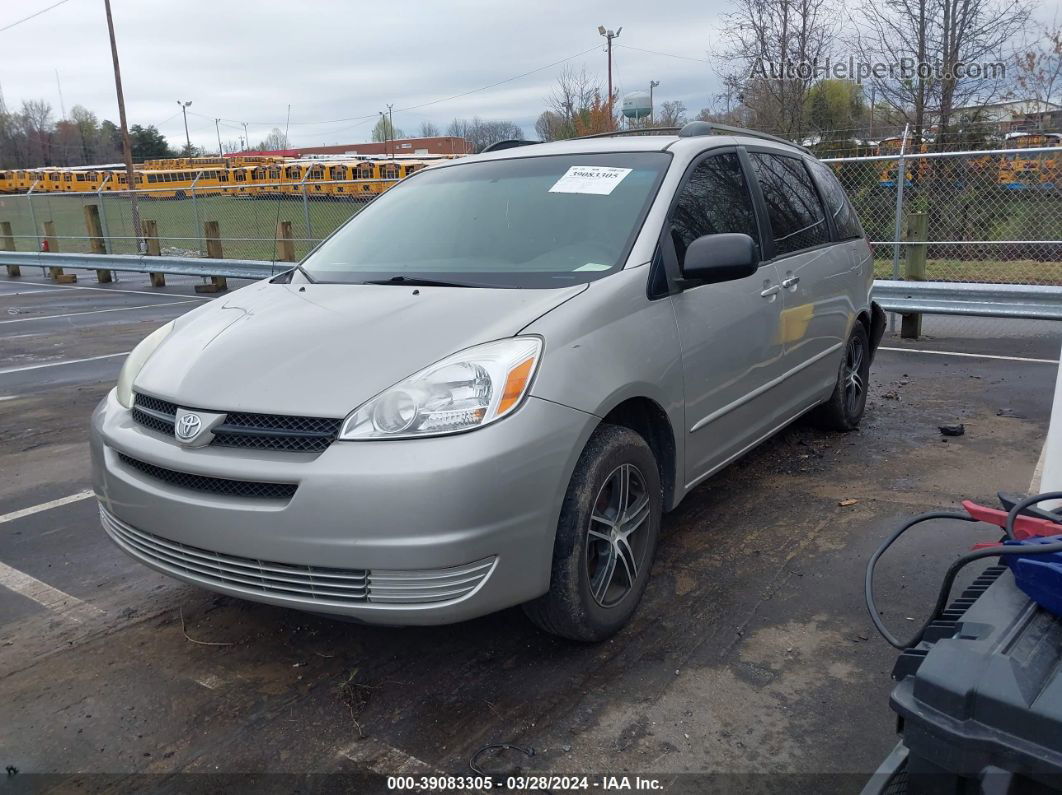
(1031, 170)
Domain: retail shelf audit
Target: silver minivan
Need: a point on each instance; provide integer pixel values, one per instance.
(486, 388)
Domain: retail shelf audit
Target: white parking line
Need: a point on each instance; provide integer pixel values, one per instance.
(44, 506)
(95, 312)
(109, 290)
(40, 592)
(972, 355)
(22, 292)
(59, 364)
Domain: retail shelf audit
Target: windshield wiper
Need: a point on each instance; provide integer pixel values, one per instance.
(418, 281)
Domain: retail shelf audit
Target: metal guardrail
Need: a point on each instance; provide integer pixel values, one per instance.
(184, 266)
(1029, 302)
(1035, 302)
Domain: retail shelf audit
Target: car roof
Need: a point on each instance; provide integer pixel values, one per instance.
(680, 145)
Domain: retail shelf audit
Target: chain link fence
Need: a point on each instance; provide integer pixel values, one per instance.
(264, 222)
(983, 216)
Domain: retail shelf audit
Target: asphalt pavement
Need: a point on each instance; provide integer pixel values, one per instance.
(751, 654)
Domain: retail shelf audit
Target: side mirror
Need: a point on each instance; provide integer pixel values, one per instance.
(720, 258)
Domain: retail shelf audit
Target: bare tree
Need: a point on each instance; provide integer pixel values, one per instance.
(671, 114)
(578, 106)
(773, 47)
(549, 126)
(275, 141)
(480, 134)
(925, 49)
(1039, 69)
(36, 120)
(428, 130)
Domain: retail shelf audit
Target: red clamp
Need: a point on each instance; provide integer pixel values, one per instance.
(1024, 526)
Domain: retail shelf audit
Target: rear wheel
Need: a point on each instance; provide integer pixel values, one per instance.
(606, 539)
(844, 410)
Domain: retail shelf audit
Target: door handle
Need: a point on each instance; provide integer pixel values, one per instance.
(792, 281)
(772, 290)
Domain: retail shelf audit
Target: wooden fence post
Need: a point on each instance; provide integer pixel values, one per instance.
(285, 242)
(7, 239)
(96, 242)
(151, 239)
(915, 270)
(212, 234)
(52, 244)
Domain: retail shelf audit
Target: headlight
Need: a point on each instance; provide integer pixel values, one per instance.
(136, 360)
(468, 390)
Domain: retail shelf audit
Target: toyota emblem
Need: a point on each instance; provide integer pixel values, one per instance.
(187, 427)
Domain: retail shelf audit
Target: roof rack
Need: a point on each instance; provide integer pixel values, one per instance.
(694, 129)
(697, 128)
(620, 133)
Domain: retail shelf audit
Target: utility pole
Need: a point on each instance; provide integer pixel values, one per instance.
(59, 85)
(184, 110)
(391, 124)
(127, 147)
(609, 36)
(652, 116)
(217, 126)
(246, 137)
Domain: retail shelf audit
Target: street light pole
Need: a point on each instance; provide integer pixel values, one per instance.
(187, 140)
(391, 124)
(127, 146)
(609, 36)
(652, 84)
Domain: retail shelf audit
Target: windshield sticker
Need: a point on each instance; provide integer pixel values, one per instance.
(593, 266)
(599, 180)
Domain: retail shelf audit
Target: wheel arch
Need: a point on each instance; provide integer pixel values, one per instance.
(648, 419)
(873, 320)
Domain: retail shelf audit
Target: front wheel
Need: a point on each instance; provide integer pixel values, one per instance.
(844, 410)
(606, 539)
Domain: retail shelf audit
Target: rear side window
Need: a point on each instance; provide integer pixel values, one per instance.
(793, 207)
(845, 220)
(714, 200)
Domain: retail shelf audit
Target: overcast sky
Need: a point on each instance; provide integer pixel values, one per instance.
(246, 61)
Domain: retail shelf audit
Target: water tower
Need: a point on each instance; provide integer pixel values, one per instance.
(637, 105)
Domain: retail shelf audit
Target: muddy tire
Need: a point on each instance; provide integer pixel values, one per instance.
(606, 539)
(844, 410)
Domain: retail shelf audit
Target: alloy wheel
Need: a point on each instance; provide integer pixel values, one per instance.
(617, 535)
(853, 376)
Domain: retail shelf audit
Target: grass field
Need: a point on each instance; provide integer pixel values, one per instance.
(989, 271)
(248, 227)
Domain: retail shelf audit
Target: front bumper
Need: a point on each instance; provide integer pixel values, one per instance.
(414, 531)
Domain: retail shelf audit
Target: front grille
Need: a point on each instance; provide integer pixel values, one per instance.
(158, 415)
(307, 585)
(277, 432)
(244, 429)
(229, 488)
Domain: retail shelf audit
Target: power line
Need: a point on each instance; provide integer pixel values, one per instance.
(500, 82)
(666, 54)
(411, 107)
(31, 16)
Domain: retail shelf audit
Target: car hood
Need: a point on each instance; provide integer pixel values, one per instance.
(323, 349)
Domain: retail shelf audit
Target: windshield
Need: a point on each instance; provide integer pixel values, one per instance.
(525, 222)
